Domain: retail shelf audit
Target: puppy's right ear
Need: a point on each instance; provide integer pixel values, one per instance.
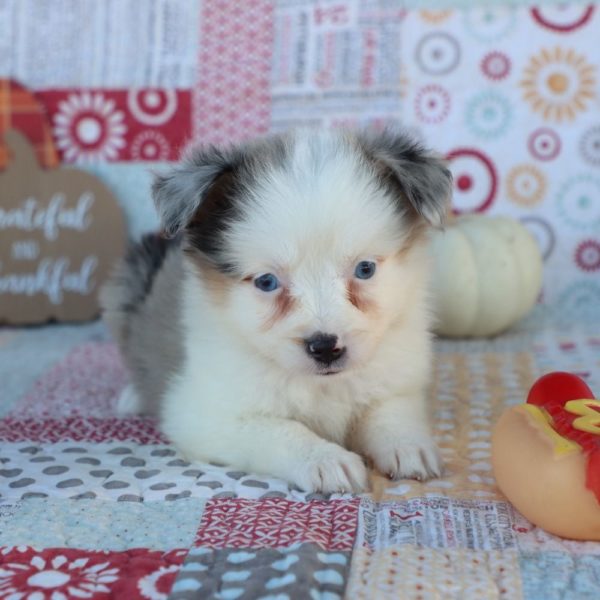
(422, 178)
(179, 194)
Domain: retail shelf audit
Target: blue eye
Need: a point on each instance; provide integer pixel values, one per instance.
(365, 269)
(267, 282)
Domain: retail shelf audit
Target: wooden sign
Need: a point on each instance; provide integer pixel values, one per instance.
(61, 231)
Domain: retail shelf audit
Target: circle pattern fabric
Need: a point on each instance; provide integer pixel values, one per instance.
(490, 23)
(577, 202)
(521, 130)
(438, 53)
(564, 18)
(590, 146)
(526, 185)
(496, 66)
(587, 255)
(432, 104)
(475, 180)
(488, 115)
(544, 144)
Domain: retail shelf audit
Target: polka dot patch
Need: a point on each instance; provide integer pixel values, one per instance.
(125, 472)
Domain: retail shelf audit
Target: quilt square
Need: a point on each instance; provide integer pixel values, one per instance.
(135, 124)
(86, 383)
(124, 471)
(277, 523)
(231, 99)
(300, 571)
(435, 522)
(61, 573)
(573, 576)
(100, 525)
(423, 573)
(469, 392)
(531, 539)
(142, 430)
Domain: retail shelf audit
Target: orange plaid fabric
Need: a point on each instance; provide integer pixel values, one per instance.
(20, 110)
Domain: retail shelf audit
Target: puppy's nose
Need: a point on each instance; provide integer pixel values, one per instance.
(323, 348)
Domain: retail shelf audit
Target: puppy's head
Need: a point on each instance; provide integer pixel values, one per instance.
(311, 243)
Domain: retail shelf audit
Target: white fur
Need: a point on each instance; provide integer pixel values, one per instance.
(129, 401)
(249, 396)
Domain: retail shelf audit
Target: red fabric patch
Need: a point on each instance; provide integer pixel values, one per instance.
(68, 573)
(140, 429)
(273, 523)
(119, 125)
(86, 383)
(76, 401)
(232, 99)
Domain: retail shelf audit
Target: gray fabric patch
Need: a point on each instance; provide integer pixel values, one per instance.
(301, 571)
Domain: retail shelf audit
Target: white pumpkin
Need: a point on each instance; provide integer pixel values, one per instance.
(487, 275)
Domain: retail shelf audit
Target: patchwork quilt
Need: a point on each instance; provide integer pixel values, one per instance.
(95, 506)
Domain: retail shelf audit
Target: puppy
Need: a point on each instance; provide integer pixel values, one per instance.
(283, 329)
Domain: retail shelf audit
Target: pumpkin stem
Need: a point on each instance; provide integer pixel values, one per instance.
(20, 148)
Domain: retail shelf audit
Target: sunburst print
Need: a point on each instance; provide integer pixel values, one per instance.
(435, 16)
(88, 128)
(559, 83)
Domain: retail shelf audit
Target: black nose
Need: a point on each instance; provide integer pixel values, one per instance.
(323, 348)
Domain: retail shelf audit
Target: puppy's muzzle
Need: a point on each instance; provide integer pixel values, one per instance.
(323, 348)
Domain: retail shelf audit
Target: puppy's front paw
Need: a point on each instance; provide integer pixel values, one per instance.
(330, 469)
(407, 456)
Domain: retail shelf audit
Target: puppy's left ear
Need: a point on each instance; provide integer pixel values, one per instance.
(417, 174)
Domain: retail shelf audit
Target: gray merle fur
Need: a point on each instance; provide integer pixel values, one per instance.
(141, 306)
(407, 167)
(201, 197)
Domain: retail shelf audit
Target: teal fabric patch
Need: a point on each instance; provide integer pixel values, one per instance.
(8, 509)
(557, 575)
(97, 525)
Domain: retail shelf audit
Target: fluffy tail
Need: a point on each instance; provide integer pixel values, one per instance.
(131, 282)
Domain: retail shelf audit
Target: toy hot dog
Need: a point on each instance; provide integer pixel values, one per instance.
(546, 457)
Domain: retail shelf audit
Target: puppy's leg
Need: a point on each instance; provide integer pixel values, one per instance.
(282, 448)
(395, 434)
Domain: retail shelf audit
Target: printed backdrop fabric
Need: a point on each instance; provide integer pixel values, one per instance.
(92, 505)
(509, 92)
(511, 96)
